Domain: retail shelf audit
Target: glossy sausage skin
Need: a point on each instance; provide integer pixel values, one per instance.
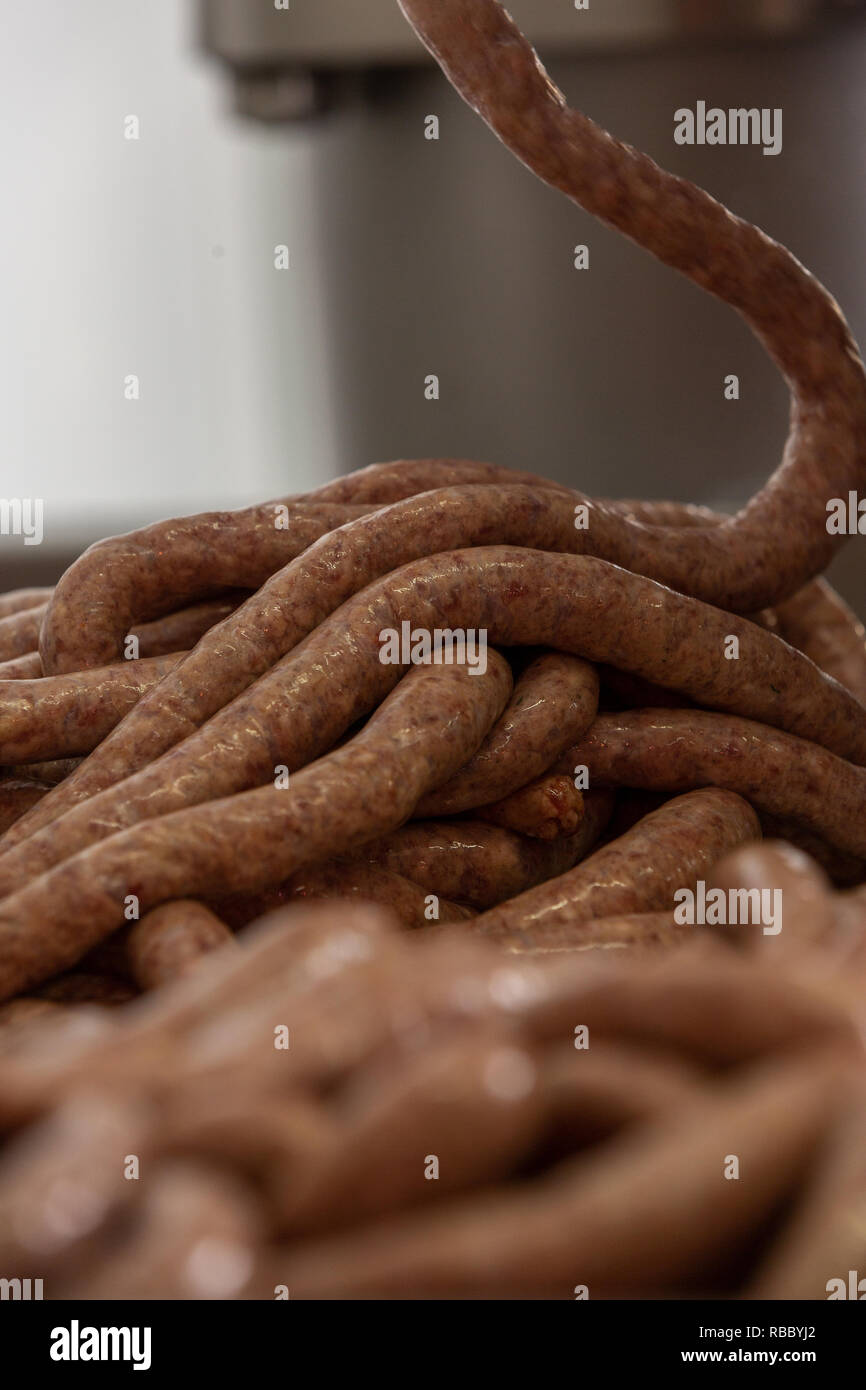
(679, 750)
(64, 716)
(369, 883)
(171, 941)
(519, 597)
(546, 809)
(556, 692)
(640, 872)
(425, 730)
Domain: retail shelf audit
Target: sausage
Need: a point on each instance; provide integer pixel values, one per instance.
(677, 750)
(632, 932)
(384, 483)
(172, 940)
(62, 716)
(518, 597)
(428, 727)
(640, 872)
(807, 916)
(371, 884)
(819, 623)
(161, 567)
(19, 600)
(780, 540)
(176, 632)
(554, 693)
(602, 1219)
(17, 795)
(22, 668)
(843, 870)
(19, 632)
(824, 1240)
(51, 772)
(547, 808)
(195, 1239)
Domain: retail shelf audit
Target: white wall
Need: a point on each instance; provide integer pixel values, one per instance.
(152, 257)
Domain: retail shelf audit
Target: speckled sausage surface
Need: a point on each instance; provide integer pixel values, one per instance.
(780, 540)
(430, 726)
(547, 808)
(640, 872)
(370, 883)
(819, 623)
(484, 864)
(19, 632)
(17, 795)
(679, 750)
(518, 597)
(129, 579)
(19, 600)
(172, 940)
(64, 716)
(22, 668)
(555, 692)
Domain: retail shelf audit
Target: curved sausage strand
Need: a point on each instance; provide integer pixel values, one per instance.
(192, 555)
(432, 723)
(17, 795)
(129, 579)
(669, 849)
(600, 1219)
(176, 632)
(369, 883)
(517, 598)
(19, 600)
(821, 625)
(634, 933)
(22, 668)
(64, 716)
(780, 539)
(458, 861)
(171, 941)
(679, 750)
(807, 911)
(19, 633)
(554, 693)
(546, 809)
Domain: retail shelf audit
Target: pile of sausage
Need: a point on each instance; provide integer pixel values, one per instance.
(197, 729)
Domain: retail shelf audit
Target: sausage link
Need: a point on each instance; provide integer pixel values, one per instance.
(428, 727)
(372, 884)
(844, 870)
(19, 600)
(171, 940)
(807, 909)
(52, 771)
(821, 625)
(17, 795)
(163, 566)
(669, 849)
(19, 632)
(825, 1239)
(464, 861)
(62, 716)
(158, 566)
(176, 632)
(653, 1201)
(780, 540)
(518, 597)
(546, 809)
(22, 668)
(555, 692)
(678, 750)
(634, 932)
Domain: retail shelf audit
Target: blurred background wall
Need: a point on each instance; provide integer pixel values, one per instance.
(408, 256)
